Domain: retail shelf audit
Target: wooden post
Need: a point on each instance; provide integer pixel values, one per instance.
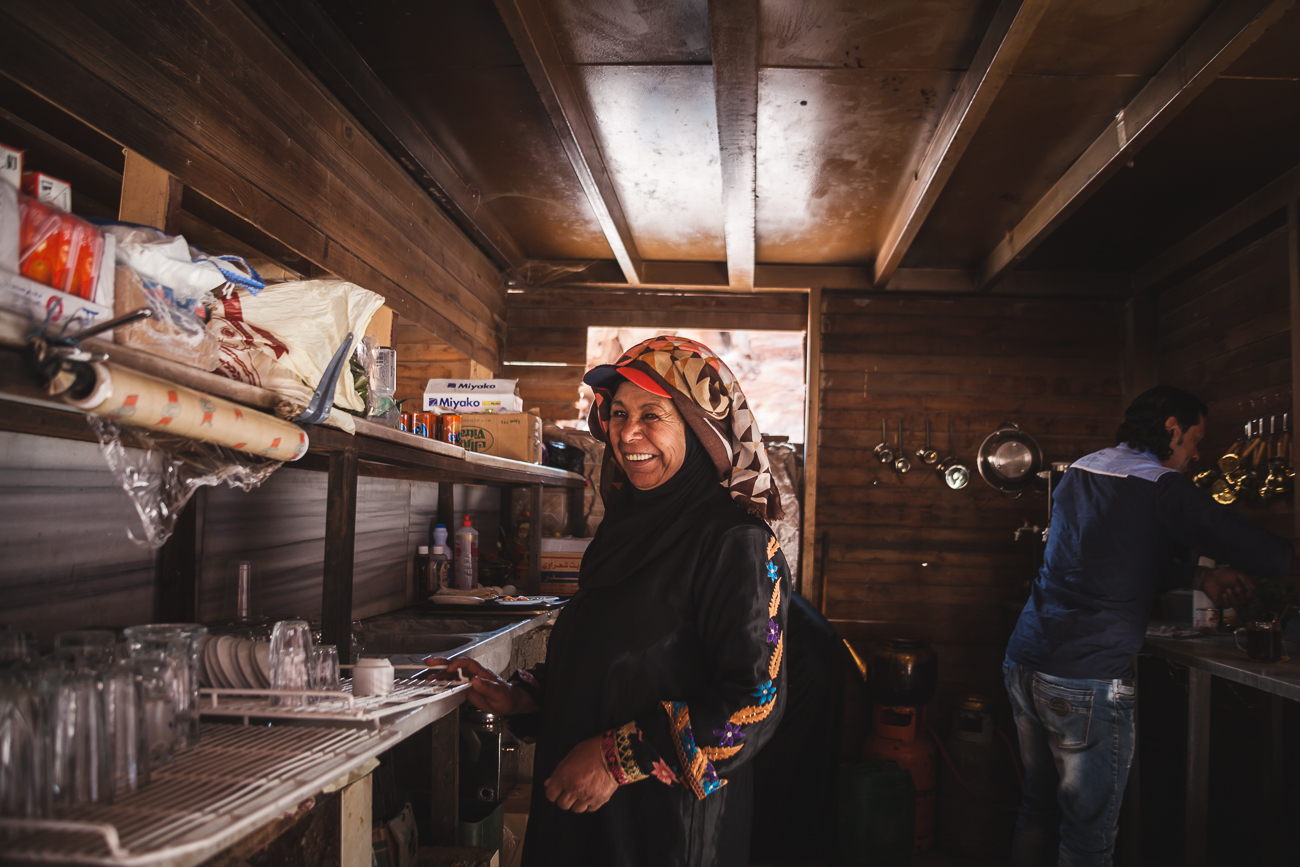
(356, 848)
(444, 784)
(1293, 250)
(533, 585)
(575, 511)
(176, 594)
(340, 546)
(150, 196)
(1198, 767)
(1141, 346)
(812, 421)
(447, 508)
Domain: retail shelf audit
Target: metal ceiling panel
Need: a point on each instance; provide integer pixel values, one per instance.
(1110, 37)
(630, 31)
(658, 132)
(1036, 129)
(834, 146)
(882, 34)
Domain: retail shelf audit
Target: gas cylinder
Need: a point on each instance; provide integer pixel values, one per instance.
(974, 819)
(898, 735)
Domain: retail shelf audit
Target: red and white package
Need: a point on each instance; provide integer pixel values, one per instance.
(48, 189)
(11, 165)
(58, 249)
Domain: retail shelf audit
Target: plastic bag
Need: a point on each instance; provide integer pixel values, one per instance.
(176, 329)
(58, 249)
(284, 338)
(166, 470)
(191, 274)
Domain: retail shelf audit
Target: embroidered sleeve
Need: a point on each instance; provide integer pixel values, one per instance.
(743, 618)
(631, 759)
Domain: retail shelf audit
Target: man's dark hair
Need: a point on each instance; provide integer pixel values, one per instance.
(1144, 420)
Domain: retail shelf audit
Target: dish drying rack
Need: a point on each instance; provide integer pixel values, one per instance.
(236, 780)
(326, 706)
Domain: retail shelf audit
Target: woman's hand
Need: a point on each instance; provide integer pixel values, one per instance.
(1227, 587)
(581, 782)
(487, 691)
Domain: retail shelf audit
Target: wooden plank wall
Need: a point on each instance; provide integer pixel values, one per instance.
(904, 554)
(1225, 336)
(421, 357)
(550, 325)
(203, 90)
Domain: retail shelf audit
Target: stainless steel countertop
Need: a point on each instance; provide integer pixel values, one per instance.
(1219, 656)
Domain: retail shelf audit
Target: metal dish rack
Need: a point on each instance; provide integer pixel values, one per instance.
(321, 706)
(236, 780)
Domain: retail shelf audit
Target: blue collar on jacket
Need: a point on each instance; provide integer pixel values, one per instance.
(1123, 461)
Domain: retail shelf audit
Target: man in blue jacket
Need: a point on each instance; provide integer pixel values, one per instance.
(1119, 518)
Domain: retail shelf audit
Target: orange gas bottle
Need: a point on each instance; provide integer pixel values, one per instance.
(898, 735)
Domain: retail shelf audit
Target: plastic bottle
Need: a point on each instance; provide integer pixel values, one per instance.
(439, 575)
(421, 566)
(466, 556)
(438, 535)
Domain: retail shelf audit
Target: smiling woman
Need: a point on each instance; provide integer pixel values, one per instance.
(648, 435)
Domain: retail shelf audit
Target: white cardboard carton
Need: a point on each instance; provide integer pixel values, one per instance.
(472, 395)
(11, 165)
(41, 304)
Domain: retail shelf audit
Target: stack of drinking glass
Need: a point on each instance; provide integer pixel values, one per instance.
(92, 720)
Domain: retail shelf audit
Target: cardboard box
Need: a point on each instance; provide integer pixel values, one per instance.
(50, 190)
(11, 166)
(560, 561)
(514, 435)
(39, 302)
(472, 395)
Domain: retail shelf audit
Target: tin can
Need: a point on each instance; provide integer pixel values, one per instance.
(421, 420)
(450, 428)
(1205, 618)
(405, 419)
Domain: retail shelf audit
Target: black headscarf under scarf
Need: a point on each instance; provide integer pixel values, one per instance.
(639, 524)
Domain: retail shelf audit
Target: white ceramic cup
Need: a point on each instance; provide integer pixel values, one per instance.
(372, 676)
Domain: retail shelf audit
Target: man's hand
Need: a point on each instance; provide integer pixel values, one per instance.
(1227, 587)
(487, 691)
(581, 782)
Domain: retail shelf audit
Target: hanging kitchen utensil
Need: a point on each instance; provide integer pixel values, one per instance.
(883, 451)
(1009, 460)
(928, 455)
(901, 463)
(955, 474)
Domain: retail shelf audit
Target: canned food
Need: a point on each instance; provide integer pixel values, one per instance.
(450, 428)
(406, 422)
(421, 420)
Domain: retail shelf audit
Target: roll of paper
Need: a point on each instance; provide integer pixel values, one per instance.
(134, 398)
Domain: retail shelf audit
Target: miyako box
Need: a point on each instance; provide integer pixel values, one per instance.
(513, 435)
(561, 560)
(473, 395)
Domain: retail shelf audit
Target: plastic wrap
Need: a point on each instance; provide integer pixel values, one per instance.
(160, 472)
(57, 249)
(176, 330)
(191, 275)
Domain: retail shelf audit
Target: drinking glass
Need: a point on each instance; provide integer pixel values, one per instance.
(325, 667)
(123, 714)
(179, 642)
(291, 650)
(16, 646)
(87, 650)
(24, 784)
(154, 681)
(81, 765)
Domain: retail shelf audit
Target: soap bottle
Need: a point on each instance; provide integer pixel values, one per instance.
(466, 556)
(439, 576)
(422, 569)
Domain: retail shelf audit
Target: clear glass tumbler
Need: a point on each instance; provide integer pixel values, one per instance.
(86, 650)
(180, 643)
(17, 646)
(157, 708)
(24, 783)
(81, 762)
(124, 716)
(325, 667)
(291, 653)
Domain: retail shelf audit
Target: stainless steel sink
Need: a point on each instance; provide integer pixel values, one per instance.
(409, 635)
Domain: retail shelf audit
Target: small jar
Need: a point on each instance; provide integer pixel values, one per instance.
(372, 676)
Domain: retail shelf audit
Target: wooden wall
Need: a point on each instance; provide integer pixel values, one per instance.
(203, 90)
(1225, 336)
(904, 554)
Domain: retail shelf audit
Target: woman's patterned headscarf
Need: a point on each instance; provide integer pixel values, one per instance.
(709, 398)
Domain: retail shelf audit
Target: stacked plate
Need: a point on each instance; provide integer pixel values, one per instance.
(228, 662)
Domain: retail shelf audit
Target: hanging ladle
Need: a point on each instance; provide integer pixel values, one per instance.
(928, 455)
(883, 451)
(955, 474)
(901, 463)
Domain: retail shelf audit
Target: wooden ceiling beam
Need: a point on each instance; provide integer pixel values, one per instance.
(326, 51)
(1224, 36)
(1012, 25)
(733, 32)
(1272, 197)
(712, 277)
(533, 38)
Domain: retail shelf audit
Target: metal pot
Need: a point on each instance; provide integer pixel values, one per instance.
(902, 671)
(1009, 460)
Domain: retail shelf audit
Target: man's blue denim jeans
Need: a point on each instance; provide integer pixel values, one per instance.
(1076, 743)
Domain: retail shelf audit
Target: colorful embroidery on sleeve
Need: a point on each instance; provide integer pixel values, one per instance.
(619, 749)
(698, 773)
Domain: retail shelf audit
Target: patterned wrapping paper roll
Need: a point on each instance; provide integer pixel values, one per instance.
(134, 398)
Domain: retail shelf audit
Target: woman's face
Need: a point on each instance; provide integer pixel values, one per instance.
(648, 435)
